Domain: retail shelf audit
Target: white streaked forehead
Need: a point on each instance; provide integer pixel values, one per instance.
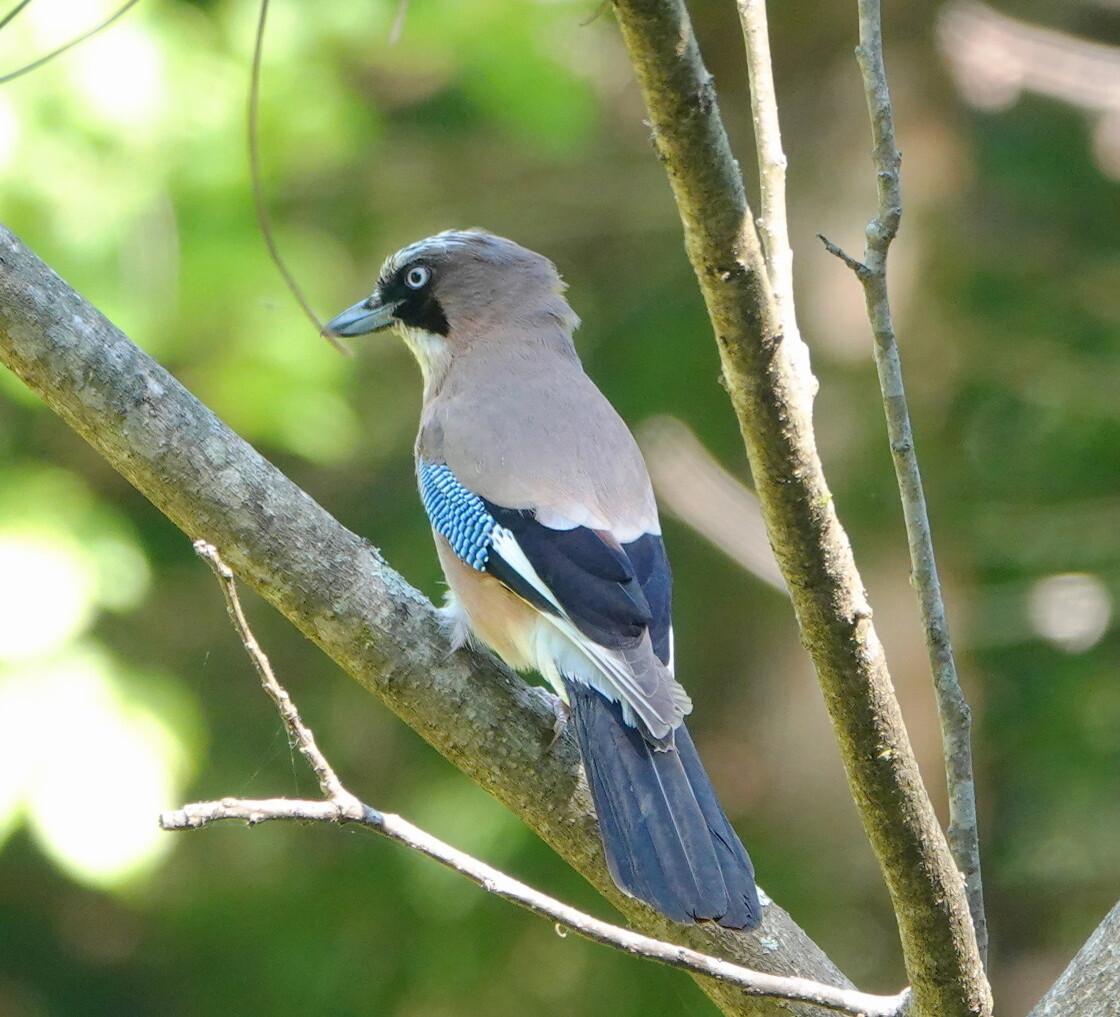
(486, 246)
(441, 243)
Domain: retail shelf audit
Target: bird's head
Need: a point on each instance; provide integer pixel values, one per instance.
(450, 291)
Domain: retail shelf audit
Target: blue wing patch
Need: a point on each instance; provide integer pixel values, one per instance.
(458, 515)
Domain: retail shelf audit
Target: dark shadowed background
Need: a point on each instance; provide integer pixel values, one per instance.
(123, 690)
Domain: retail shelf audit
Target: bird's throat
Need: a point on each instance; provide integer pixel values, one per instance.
(432, 354)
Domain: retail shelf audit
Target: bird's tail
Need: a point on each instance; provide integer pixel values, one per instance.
(666, 838)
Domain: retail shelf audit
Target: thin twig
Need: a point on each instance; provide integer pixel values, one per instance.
(263, 218)
(298, 732)
(751, 983)
(772, 223)
(596, 14)
(35, 64)
(6, 20)
(768, 144)
(953, 710)
(342, 806)
(857, 266)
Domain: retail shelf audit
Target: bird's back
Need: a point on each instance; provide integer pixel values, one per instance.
(537, 438)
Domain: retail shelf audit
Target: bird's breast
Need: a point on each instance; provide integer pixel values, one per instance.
(500, 618)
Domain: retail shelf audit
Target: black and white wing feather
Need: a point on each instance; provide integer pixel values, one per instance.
(612, 600)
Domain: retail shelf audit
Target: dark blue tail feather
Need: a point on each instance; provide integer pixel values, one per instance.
(666, 838)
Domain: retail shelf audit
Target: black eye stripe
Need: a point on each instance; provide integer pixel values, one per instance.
(416, 307)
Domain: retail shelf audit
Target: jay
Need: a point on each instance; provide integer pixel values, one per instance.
(546, 528)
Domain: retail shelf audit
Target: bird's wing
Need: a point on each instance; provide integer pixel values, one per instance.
(612, 600)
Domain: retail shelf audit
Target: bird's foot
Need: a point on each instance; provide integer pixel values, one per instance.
(561, 711)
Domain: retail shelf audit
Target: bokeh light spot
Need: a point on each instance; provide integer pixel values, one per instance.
(46, 593)
(90, 770)
(121, 78)
(1072, 611)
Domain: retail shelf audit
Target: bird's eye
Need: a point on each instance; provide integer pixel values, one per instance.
(417, 277)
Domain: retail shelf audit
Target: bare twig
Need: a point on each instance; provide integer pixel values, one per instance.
(343, 807)
(7, 18)
(854, 264)
(751, 983)
(772, 222)
(263, 218)
(953, 710)
(298, 733)
(66, 47)
(768, 144)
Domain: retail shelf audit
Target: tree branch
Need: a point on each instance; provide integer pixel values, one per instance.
(339, 592)
(343, 807)
(952, 708)
(1090, 986)
(773, 408)
(746, 981)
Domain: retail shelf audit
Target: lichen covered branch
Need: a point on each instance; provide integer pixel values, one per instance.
(772, 404)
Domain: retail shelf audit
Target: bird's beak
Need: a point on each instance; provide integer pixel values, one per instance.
(368, 316)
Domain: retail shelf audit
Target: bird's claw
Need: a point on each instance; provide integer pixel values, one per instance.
(560, 712)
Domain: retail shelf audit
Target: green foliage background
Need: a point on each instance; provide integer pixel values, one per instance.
(123, 164)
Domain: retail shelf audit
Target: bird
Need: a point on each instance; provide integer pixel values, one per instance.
(547, 531)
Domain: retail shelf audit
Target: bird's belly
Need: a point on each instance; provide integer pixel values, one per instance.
(500, 618)
(522, 636)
